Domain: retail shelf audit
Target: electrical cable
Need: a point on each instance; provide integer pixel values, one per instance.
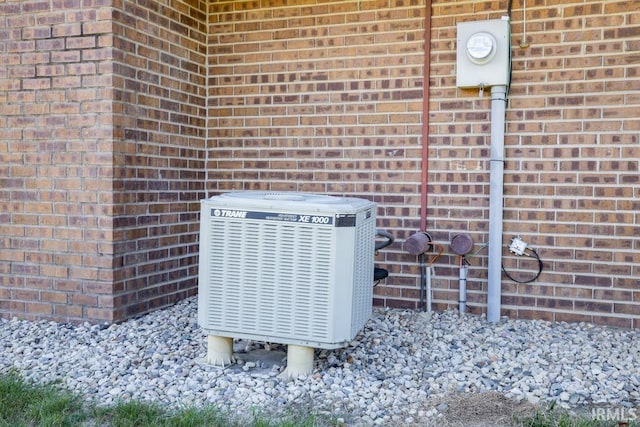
(434, 258)
(540, 267)
(476, 252)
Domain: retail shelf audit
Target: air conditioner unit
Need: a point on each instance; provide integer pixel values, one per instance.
(289, 268)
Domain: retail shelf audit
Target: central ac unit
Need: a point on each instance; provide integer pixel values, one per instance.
(289, 268)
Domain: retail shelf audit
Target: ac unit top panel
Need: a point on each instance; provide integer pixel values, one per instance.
(289, 201)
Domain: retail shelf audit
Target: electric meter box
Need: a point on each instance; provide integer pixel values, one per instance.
(483, 53)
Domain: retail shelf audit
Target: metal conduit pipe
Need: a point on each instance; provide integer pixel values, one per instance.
(462, 244)
(496, 180)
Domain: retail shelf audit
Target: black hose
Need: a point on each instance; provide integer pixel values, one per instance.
(540, 266)
(385, 235)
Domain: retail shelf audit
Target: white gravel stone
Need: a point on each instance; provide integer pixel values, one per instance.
(387, 374)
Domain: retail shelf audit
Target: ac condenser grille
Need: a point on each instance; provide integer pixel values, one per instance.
(277, 270)
(281, 280)
(363, 281)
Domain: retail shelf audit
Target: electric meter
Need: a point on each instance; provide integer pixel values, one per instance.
(483, 57)
(481, 47)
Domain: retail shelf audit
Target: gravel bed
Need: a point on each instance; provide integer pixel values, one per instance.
(393, 372)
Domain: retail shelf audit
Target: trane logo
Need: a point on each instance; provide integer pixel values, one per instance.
(229, 214)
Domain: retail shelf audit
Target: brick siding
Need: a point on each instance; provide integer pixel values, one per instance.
(327, 97)
(115, 121)
(55, 192)
(159, 151)
(102, 157)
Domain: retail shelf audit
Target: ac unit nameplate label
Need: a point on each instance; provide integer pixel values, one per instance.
(280, 217)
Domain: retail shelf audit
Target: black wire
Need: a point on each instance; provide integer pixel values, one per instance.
(540, 266)
(510, 54)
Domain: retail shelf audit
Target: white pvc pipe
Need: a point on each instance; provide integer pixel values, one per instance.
(428, 280)
(462, 300)
(494, 294)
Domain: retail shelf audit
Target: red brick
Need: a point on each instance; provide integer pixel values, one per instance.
(84, 300)
(99, 314)
(38, 309)
(68, 312)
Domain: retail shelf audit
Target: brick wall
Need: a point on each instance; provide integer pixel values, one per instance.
(587, 151)
(571, 171)
(55, 193)
(327, 97)
(159, 151)
(101, 156)
(116, 118)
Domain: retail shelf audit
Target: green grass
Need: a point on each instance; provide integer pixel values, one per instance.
(130, 414)
(25, 404)
(22, 404)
